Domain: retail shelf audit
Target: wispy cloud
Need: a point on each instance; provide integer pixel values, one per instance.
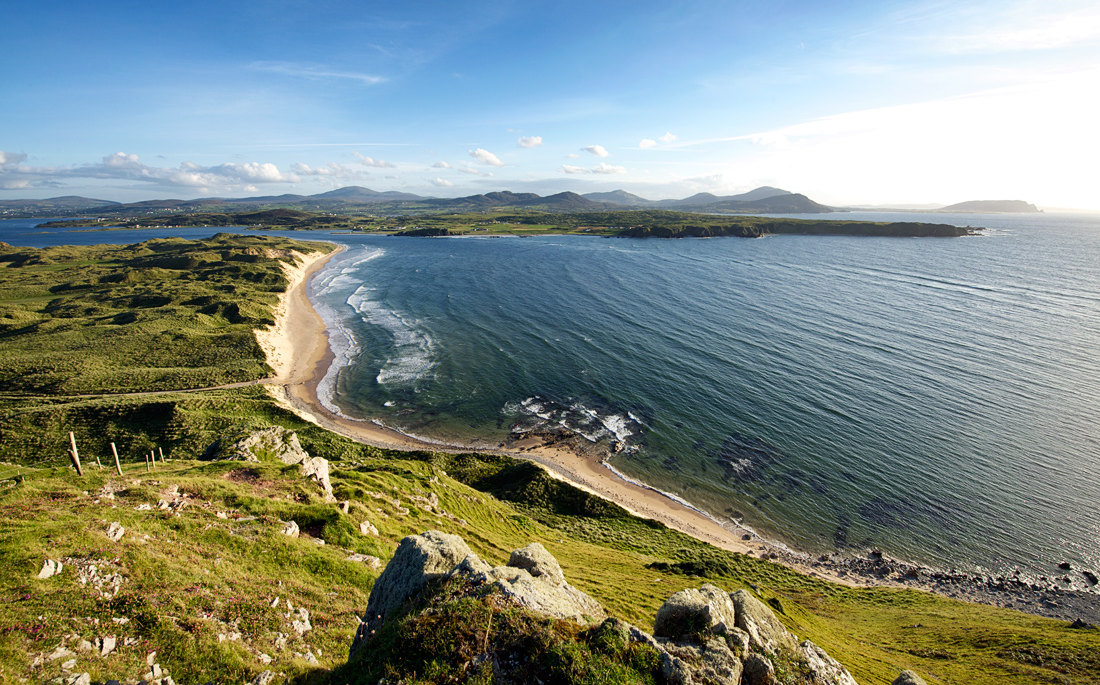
(315, 72)
(668, 137)
(485, 157)
(371, 161)
(442, 182)
(646, 143)
(474, 171)
(529, 141)
(598, 150)
(601, 168)
(441, 165)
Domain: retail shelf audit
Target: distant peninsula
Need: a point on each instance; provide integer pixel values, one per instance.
(991, 207)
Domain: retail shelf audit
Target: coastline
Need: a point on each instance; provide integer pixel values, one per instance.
(298, 349)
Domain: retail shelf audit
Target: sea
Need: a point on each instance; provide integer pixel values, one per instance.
(937, 399)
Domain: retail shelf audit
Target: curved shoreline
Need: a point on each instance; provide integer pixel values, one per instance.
(301, 341)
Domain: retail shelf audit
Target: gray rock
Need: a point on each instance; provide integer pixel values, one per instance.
(371, 561)
(264, 678)
(764, 629)
(907, 677)
(824, 669)
(290, 529)
(115, 531)
(316, 468)
(270, 444)
(758, 670)
(690, 612)
(367, 528)
(544, 595)
(538, 562)
(418, 560)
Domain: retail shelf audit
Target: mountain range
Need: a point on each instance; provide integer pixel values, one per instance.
(764, 200)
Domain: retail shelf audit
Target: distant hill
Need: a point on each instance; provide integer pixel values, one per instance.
(619, 197)
(791, 203)
(65, 204)
(990, 206)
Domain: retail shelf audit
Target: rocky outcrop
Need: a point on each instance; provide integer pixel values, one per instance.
(419, 559)
(703, 635)
(533, 579)
(268, 444)
(274, 444)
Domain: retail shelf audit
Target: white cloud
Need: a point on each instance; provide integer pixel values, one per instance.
(485, 157)
(315, 72)
(11, 158)
(667, 138)
(331, 169)
(441, 182)
(128, 167)
(474, 171)
(441, 165)
(598, 150)
(371, 161)
(601, 168)
(529, 141)
(572, 155)
(646, 143)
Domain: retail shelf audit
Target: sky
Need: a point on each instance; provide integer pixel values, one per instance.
(850, 103)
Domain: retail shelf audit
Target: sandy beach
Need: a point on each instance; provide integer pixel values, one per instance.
(298, 351)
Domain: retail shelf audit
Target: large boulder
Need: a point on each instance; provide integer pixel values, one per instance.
(544, 594)
(316, 469)
(538, 562)
(765, 631)
(824, 669)
(418, 560)
(691, 612)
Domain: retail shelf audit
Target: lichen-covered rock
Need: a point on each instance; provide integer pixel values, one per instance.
(316, 468)
(418, 560)
(269, 444)
(538, 562)
(50, 568)
(690, 612)
(908, 678)
(545, 595)
(824, 669)
(764, 629)
(290, 529)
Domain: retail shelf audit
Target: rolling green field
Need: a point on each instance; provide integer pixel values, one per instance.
(197, 571)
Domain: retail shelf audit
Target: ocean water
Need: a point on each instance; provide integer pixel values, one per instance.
(938, 399)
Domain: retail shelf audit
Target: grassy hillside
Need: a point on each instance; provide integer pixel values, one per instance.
(195, 579)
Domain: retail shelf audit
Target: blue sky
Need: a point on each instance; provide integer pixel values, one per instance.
(854, 102)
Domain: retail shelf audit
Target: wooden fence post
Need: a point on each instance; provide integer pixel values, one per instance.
(146, 462)
(118, 466)
(75, 455)
(159, 450)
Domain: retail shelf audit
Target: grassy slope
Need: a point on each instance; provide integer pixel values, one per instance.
(198, 572)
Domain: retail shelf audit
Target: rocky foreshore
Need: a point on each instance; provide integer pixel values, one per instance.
(1041, 596)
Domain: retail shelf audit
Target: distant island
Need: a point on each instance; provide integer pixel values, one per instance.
(991, 207)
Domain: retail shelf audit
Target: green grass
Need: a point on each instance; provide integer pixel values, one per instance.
(190, 575)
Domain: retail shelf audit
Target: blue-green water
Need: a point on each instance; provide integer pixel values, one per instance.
(936, 398)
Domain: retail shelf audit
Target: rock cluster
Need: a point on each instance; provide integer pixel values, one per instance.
(274, 444)
(702, 635)
(532, 578)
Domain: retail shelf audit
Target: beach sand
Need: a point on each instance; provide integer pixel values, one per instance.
(298, 350)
